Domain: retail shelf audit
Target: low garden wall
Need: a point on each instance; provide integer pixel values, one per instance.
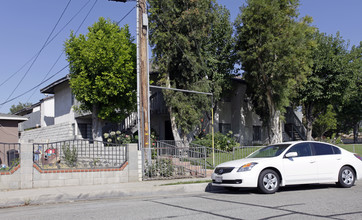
(30, 175)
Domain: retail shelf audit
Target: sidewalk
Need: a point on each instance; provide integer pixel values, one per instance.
(77, 193)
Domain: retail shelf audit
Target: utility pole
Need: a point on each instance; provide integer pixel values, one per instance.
(142, 74)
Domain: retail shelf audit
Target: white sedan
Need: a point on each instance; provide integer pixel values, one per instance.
(290, 163)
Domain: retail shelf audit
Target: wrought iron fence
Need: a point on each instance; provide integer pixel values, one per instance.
(9, 156)
(213, 156)
(176, 159)
(166, 161)
(79, 154)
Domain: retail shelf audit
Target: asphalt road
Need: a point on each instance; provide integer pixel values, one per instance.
(299, 202)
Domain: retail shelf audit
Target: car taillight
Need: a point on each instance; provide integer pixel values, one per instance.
(358, 156)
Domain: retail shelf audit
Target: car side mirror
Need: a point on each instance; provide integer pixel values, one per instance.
(291, 154)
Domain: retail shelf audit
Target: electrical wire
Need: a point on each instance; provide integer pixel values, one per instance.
(26, 73)
(35, 87)
(61, 54)
(80, 10)
(126, 15)
(24, 93)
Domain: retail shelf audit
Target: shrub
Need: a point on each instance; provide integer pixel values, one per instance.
(221, 141)
(161, 168)
(70, 156)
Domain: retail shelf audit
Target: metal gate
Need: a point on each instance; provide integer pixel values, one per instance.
(171, 160)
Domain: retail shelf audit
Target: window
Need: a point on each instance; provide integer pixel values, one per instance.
(224, 128)
(302, 149)
(336, 150)
(269, 151)
(322, 149)
(85, 130)
(256, 133)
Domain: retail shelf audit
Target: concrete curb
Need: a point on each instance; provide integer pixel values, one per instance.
(81, 193)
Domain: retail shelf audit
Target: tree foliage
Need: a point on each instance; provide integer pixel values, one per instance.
(350, 111)
(15, 108)
(325, 122)
(329, 78)
(103, 70)
(274, 50)
(191, 43)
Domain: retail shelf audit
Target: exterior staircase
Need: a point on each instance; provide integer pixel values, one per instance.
(129, 125)
(191, 170)
(293, 126)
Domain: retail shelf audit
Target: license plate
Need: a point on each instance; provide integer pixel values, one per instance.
(218, 179)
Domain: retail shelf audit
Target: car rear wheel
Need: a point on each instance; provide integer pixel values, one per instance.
(346, 177)
(268, 181)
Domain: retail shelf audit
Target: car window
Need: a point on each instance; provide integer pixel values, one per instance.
(303, 149)
(322, 149)
(336, 150)
(269, 151)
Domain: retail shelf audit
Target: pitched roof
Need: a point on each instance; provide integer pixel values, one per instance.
(12, 117)
(50, 88)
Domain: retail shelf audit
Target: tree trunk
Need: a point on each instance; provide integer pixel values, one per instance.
(242, 127)
(309, 117)
(275, 134)
(275, 129)
(97, 124)
(176, 135)
(355, 133)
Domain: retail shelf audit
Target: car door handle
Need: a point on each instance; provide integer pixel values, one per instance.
(312, 161)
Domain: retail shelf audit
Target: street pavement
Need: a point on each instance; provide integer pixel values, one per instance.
(11, 198)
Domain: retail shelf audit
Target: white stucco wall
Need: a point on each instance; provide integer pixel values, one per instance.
(63, 104)
(47, 112)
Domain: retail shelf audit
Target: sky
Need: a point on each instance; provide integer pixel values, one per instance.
(33, 32)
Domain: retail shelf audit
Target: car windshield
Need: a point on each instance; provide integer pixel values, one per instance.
(269, 151)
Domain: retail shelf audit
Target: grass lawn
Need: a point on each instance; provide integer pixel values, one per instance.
(355, 148)
(242, 153)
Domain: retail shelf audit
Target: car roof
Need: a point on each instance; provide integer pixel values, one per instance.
(296, 142)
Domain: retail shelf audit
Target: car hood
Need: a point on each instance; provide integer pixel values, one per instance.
(238, 163)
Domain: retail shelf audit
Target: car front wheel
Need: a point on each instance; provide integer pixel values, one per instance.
(268, 181)
(346, 177)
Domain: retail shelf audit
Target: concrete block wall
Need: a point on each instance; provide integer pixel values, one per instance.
(28, 175)
(10, 180)
(53, 133)
(44, 179)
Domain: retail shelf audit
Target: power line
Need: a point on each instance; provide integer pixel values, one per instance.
(7, 101)
(126, 15)
(26, 73)
(81, 9)
(81, 24)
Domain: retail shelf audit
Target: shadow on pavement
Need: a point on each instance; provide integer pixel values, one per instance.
(221, 190)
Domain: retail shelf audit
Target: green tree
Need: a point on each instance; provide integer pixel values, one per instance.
(103, 72)
(191, 43)
(15, 108)
(328, 80)
(274, 50)
(325, 122)
(350, 113)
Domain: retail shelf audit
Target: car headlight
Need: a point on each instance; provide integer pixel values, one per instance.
(247, 167)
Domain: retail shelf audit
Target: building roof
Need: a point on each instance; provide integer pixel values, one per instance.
(50, 88)
(29, 109)
(12, 117)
